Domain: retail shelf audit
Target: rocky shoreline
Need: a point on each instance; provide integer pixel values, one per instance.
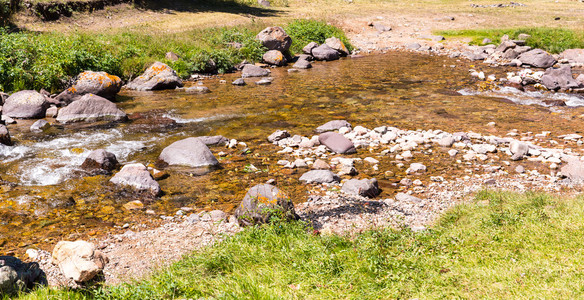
(342, 193)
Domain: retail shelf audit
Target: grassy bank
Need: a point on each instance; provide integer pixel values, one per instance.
(50, 60)
(554, 40)
(502, 245)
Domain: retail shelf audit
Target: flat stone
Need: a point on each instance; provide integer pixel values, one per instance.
(537, 58)
(364, 187)
(90, 108)
(337, 143)
(319, 176)
(332, 126)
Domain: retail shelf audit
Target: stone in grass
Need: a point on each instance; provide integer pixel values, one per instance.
(364, 187)
(263, 202)
(79, 260)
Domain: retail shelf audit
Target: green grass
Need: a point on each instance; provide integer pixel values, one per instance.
(553, 40)
(49, 60)
(502, 245)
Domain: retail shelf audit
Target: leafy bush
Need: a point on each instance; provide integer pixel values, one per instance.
(303, 32)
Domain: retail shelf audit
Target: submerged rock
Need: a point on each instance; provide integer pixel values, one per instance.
(15, 275)
(319, 176)
(159, 76)
(213, 140)
(262, 202)
(26, 105)
(89, 82)
(198, 89)
(79, 260)
(137, 177)
(239, 81)
(90, 108)
(100, 162)
(250, 70)
(332, 126)
(5, 136)
(40, 126)
(275, 38)
(190, 152)
(337, 143)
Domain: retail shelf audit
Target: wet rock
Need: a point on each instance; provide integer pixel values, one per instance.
(332, 126)
(554, 102)
(239, 82)
(274, 57)
(337, 44)
(3, 97)
(198, 89)
(265, 81)
(100, 162)
(337, 143)
(302, 64)
(16, 275)
(263, 201)
(560, 78)
(278, 135)
(416, 168)
(137, 177)
(364, 187)
(90, 108)
(159, 76)
(575, 56)
(26, 105)
(79, 260)
(518, 150)
(171, 56)
(308, 48)
(250, 70)
(324, 52)
(52, 112)
(319, 176)
(403, 197)
(190, 152)
(5, 136)
(134, 205)
(89, 82)
(537, 58)
(275, 38)
(40, 126)
(214, 140)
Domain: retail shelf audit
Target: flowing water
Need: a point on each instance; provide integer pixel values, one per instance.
(45, 198)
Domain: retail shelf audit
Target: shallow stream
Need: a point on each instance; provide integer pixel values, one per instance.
(45, 198)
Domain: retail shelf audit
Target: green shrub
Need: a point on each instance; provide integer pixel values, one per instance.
(303, 32)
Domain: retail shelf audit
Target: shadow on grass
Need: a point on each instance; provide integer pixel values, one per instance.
(226, 6)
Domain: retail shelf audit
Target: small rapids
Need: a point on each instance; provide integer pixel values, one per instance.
(528, 97)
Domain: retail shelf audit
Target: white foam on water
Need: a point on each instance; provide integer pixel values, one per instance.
(203, 119)
(527, 98)
(52, 162)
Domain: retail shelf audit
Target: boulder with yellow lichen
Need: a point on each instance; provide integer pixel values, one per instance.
(89, 82)
(158, 76)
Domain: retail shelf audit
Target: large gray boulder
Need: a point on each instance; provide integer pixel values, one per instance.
(274, 57)
(100, 162)
(90, 108)
(332, 126)
(324, 52)
(337, 44)
(79, 260)
(319, 176)
(250, 70)
(560, 78)
(158, 76)
(537, 58)
(364, 187)
(263, 201)
(5, 136)
(26, 105)
(275, 38)
(89, 82)
(336, 142)
(137, 177)
(16, 275)
(190, 152)
(573, 55)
